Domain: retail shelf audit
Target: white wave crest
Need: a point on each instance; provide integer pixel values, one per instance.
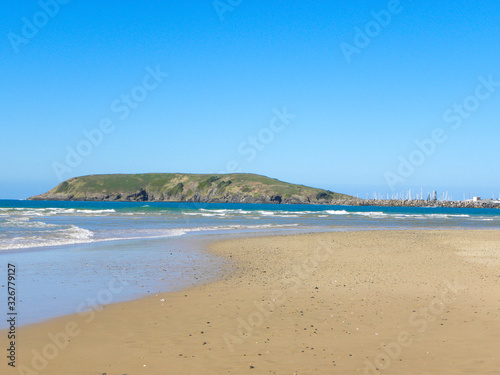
(371, 214)
(65, 236)
(24, 222)
(337, 212)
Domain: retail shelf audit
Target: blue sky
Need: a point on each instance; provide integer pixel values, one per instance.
(351, 120)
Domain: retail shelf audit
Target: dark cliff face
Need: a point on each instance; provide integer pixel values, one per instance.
(144, 196)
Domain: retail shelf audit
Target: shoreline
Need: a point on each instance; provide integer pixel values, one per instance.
(168, 265)
(353, 202)
(202, 245)
(280, 301)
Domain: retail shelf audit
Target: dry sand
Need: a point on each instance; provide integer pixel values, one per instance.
(405, 302)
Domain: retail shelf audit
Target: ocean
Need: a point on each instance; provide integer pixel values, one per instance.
(75, 256)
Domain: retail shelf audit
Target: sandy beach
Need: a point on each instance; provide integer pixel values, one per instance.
(378, 302)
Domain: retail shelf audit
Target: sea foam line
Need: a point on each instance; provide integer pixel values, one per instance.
(77, 235)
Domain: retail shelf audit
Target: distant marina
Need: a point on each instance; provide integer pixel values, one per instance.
(412, 199)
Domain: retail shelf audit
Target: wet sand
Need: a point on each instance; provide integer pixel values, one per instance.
(381, 302)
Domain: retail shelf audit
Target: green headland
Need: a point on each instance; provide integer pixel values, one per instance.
(179, 187)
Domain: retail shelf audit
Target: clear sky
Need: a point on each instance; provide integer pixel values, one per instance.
(332, 94)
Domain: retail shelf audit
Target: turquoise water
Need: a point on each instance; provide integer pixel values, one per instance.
(28, 224)
(74, 255)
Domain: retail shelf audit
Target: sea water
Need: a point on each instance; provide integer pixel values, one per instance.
(73, 256)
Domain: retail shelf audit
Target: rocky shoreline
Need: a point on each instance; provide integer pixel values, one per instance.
(234, 198)
(419, 203)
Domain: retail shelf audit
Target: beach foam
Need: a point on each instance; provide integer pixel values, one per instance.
(50, 223)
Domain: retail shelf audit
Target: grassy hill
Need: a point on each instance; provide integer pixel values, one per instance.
(177, 187)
